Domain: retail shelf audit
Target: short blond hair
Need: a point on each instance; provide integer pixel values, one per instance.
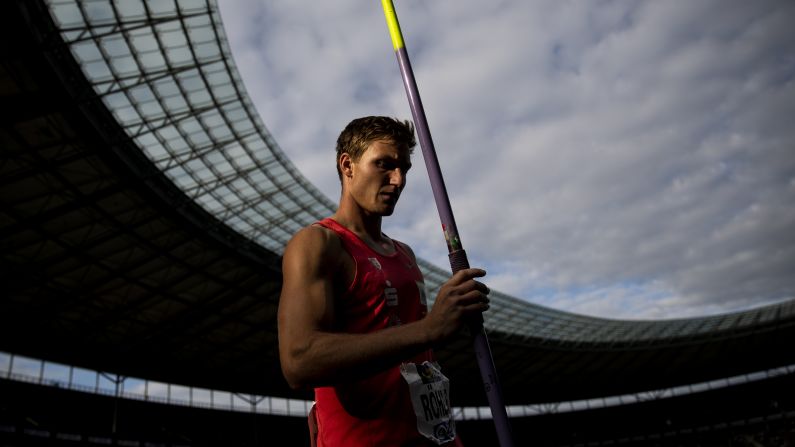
(361, 132)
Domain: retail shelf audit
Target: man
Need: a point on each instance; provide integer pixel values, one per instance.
(353, 322)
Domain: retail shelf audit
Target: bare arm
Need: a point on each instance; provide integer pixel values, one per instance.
(312, 354)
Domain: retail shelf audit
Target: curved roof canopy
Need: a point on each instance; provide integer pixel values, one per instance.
(146, 207)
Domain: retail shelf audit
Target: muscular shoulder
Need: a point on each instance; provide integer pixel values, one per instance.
(314, 243)
(316, 254)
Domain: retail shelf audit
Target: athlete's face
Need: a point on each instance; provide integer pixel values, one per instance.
(379, 176)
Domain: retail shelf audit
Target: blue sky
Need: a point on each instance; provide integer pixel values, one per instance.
(625, 159)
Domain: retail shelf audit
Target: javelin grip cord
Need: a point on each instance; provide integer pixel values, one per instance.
(456, 253)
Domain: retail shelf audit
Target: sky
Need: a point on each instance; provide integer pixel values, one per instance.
(621, 159)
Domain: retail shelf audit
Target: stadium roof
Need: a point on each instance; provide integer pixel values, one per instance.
(145, 208)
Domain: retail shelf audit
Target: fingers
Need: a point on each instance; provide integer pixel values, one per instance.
(460, 299)
(476, 299)
(468, 292)
(464, 275)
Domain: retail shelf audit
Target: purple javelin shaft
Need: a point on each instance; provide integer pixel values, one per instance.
(456, 253)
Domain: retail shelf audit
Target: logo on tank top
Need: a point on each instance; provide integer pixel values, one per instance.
(391, 298)
(390, 294)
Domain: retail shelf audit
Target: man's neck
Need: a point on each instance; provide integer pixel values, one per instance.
(363, 225)
(366, 226)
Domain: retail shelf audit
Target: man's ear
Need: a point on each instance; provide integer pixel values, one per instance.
(346, 164)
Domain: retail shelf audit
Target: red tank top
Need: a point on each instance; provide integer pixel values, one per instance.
(387, 290)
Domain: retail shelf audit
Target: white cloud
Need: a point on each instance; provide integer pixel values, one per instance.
(626, 159)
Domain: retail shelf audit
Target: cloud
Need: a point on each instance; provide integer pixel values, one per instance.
(626, 159)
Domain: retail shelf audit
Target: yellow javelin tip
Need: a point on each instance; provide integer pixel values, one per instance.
(392, 23)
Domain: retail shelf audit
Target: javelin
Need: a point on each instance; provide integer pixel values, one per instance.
(456, 253)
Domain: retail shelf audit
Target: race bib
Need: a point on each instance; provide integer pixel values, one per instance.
(430, 396)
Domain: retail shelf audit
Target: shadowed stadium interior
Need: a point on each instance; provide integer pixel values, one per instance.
(145, 208)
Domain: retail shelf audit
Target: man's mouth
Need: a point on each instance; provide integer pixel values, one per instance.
(391, 196)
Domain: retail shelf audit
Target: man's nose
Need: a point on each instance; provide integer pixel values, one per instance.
(397, 177)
